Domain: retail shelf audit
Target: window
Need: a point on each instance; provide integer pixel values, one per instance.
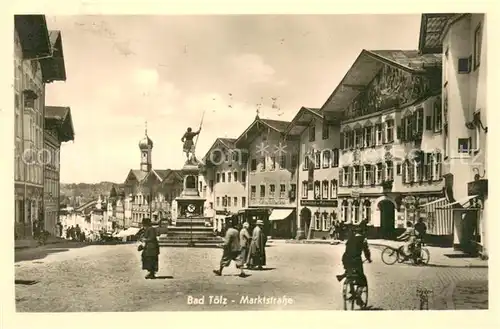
(253, 191)
(355, 212)
(346, 177)
(235, 175)
(235, 156)
(283, 161)
(346, 139)
(357, 173)
(368, 136)
(398, 169)
(217, 201)
(326, 130)
(253, 165)
(326, 158)
(262, 191)
(438, 158)
(464, 65)
(464, 145)
(243, 176)
(294, 161)
(408, 128)
(243, 201)
(317, 221)
(223, 177)
(304, 189)
(282, 191)
(333, 189)
(477, 46)
(317, 160)
(272, 191)
(317, 190)
(389, 131)
(229, 174)
(324, 193)
(306, 162)
(344, 211)
(428, 166)
(273, 163)
(326, 221)
(218, 178)
(335, 162)
(263, 164)
(378, 173)
(428, 122)
(389, 166)
(438, 115)
(368, 179)
(235, 201)
(419, 170)
(228, 200)
(367, 211)
(312, 133)
(378, 134)
(420, 120)
(358, 138)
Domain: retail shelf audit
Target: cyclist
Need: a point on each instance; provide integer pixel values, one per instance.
(410, 236)
(352, 261)
(421, 229)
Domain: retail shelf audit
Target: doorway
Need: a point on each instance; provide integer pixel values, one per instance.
(305, 219)
(387, 219)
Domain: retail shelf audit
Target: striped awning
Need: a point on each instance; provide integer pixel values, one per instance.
(432, 202)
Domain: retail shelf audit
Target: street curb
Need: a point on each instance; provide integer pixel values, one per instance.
(38, 246)
(301, 242)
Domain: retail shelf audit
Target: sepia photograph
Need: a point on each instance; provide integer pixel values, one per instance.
(250, 162)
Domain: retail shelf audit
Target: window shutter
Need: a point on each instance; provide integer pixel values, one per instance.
(398, 133)
(428, 122)
(383, 172)
(350, 175)
(341, 177)
(361, 175)
(411, 171)
(383, 132)
(342, 140)
(403, 171)
(374, 172)
(403, 129)
(373, 136)
(363, 211)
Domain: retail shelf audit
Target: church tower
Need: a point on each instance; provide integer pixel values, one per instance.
(146, 147)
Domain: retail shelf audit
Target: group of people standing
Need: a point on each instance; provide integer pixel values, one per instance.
(244, 249)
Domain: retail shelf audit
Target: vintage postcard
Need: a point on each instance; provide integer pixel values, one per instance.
(168, 163)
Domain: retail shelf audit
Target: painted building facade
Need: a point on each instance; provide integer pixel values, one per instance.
(391, 140)
(317, 179)
(461, 40)
(226, 174)
(272, 174)
(58, 128)
(37, 61)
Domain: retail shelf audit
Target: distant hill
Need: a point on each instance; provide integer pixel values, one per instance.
(86, 192)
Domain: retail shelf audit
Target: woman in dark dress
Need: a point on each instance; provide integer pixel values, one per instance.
(150, 249)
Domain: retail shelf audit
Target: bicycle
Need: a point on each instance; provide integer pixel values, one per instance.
(354, 293)
(419, 255)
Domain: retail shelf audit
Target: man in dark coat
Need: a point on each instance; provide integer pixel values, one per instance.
(231, 250)
(257, 252)
(150, 249)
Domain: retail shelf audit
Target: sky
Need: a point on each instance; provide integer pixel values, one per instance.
(124, 71)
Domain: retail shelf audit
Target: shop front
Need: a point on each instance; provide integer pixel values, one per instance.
(316, 217)
(282, 223)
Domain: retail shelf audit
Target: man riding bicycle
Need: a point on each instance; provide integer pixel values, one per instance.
(410, 236)
(352, 260)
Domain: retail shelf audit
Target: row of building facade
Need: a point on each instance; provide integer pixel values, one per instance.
(402, 137)
(39, 129)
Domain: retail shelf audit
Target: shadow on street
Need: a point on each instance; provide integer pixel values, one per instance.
(43, 251)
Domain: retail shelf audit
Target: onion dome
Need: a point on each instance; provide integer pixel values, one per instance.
(146, 143)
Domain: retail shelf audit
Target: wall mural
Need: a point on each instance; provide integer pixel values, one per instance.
(391, 88)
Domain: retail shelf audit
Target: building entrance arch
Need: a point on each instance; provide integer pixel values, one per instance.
(305, 219)
(387, 209)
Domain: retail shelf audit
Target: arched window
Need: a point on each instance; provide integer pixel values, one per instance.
(367, 211)
(355, 212)
(344, 211)
(191, 181)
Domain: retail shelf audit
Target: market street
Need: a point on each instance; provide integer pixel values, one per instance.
(108, 278)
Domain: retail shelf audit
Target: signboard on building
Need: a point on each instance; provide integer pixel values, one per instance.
(319, 203)
(355, 194)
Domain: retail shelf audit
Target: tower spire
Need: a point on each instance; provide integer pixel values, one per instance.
(146, 127)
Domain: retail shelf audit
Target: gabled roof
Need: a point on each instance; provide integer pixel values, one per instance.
(162, 173)
(229, 143)
(368, 64)
(33, 35)
(432, 27)
(59, 117)
(174, 174)
(276, 125)
(302, 119)
(53, 68)
(137, 174)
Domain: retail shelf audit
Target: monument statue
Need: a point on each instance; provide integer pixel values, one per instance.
(189, 146)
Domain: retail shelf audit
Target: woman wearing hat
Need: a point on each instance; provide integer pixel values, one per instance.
(150, 249)
(257, 252)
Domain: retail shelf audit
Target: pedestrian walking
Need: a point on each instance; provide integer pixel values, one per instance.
(78, 232)
(257, 251)
(245, 242)
(231, 250)
(150, 249)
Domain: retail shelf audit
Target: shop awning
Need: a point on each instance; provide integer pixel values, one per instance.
(128, 232)
(432, 202)
(280, 214)
(461, 201)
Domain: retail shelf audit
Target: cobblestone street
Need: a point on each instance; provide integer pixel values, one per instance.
(108, 278)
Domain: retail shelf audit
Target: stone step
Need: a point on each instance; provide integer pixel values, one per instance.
(188, 238)
(188, 231)
(195, 243)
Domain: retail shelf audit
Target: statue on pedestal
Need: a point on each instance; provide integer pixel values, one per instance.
(189, 145)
